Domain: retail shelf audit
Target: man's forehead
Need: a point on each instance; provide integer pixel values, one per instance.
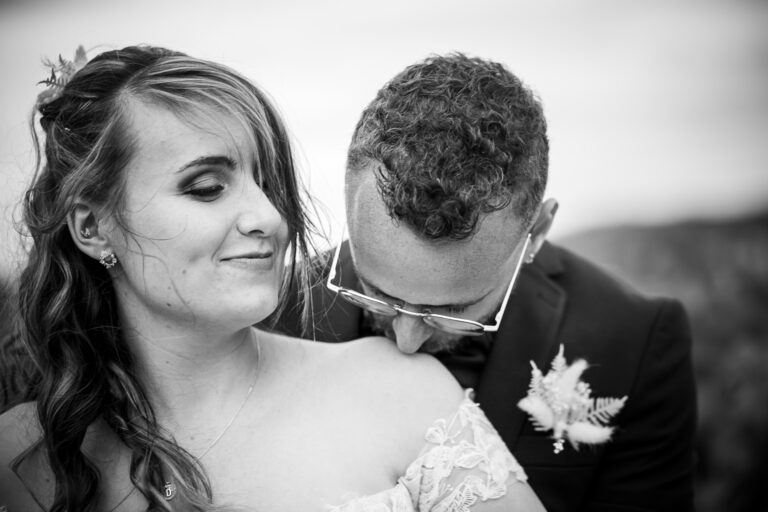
(401, 264)
(372, 229)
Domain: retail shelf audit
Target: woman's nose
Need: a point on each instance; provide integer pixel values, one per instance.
(258, 215)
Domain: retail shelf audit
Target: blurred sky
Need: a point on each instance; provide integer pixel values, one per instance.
(657, 110)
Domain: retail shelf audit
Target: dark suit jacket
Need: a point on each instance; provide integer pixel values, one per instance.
(635, 346)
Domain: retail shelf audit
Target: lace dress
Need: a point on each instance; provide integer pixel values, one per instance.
(464, 462)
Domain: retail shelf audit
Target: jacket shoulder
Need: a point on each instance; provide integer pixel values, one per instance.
(613, 325)
(593, 290)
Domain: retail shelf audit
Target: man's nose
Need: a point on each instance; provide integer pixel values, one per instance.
(410, 332)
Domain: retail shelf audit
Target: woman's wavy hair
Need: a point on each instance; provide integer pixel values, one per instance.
(453, 138)
(67, 303)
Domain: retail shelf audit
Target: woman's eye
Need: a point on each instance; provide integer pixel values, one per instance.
(206, 190)
(456, 310)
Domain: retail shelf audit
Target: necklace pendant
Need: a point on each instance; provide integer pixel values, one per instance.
(169, 491)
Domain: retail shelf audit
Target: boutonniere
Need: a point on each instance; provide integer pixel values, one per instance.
(560, 401)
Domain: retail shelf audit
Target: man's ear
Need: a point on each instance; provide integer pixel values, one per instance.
(83, 224)
(541, 227)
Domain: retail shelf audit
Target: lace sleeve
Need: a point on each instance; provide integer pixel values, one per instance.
(464, 461)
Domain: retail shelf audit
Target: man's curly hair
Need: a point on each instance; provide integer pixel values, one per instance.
(454, 138)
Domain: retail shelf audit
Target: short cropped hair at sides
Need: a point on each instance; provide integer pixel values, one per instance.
(454, 138)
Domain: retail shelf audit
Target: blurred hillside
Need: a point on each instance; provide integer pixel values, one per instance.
(720, 272)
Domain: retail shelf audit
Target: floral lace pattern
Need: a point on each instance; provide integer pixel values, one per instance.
(463, 461)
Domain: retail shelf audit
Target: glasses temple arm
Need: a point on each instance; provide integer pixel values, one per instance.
(334, 263)
(518, 266)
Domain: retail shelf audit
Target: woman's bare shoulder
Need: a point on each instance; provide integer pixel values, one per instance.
(20, 432)
(380, 354)
(413, 390)
(373, 371)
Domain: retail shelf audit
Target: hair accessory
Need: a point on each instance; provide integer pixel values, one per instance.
(108, 258)
(61, 73)
(85, 232)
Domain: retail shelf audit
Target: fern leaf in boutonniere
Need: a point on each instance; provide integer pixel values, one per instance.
(561, 402)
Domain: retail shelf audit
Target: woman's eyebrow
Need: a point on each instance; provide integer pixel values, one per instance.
(220, 160)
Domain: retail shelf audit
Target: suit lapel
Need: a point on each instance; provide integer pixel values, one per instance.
(528, 332)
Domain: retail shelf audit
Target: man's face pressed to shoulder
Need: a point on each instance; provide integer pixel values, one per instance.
(464, 279)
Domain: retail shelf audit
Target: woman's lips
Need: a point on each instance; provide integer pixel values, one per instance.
(251, 261)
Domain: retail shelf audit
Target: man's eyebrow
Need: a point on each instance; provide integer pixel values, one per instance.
(459, 305)
(219, 160)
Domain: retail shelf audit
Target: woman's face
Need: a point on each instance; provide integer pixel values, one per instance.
(202, 242)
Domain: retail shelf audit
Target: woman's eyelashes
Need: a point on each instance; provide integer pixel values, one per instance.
(207, 187)
(210, 185)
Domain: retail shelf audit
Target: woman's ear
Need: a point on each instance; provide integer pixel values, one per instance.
(541, 227)
(83, 226)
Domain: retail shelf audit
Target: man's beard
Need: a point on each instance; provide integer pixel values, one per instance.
(439, 343)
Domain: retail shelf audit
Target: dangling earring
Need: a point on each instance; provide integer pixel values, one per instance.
(108, 258)
(85, 232)
(531, 256)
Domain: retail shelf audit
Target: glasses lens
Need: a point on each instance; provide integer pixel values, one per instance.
(369, 303)
(446, 324)
(455, 325)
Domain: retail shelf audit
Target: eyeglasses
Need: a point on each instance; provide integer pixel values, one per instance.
(445, 323)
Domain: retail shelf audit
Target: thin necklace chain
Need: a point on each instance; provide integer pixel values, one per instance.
(229, 423)
(242, 404)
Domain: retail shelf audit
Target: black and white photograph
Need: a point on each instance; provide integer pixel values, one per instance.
(404, 256)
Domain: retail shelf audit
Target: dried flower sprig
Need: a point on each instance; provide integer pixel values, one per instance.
(560, 401)
(61, 73)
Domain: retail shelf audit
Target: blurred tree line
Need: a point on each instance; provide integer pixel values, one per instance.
(720, 272)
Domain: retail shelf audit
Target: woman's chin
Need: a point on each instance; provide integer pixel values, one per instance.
(254, 315)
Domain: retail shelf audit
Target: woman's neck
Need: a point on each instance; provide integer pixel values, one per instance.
(194, 376)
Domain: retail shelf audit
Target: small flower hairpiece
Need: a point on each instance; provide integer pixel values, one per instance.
(560, 401)
(61, 73)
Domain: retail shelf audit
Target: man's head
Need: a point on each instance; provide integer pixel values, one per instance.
(445, 178)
